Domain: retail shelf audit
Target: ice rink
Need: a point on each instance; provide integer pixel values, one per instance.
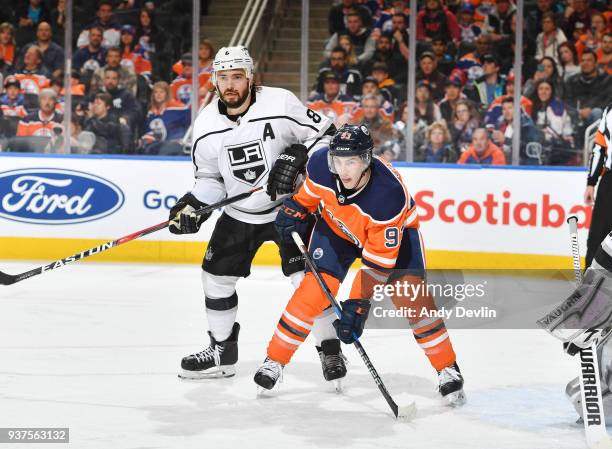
(97, 348)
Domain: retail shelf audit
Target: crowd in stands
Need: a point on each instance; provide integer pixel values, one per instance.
(130, 80)
(465, 75)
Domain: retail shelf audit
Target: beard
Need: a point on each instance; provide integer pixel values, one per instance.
(242, 97)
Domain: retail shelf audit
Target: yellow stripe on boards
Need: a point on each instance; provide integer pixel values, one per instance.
(153, 251)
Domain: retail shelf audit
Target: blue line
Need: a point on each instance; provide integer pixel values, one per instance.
(97, 156)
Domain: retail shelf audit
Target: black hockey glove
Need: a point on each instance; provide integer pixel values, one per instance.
(291, 217)
(183, 219)
(352, 321)
(287, 167)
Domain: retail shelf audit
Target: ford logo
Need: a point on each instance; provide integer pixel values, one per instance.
(56, 196)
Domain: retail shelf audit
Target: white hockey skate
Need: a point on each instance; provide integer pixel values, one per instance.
(450, 385)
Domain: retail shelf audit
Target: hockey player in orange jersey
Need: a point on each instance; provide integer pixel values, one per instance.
(366, 212)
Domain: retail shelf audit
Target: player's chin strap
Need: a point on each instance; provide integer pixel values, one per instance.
(343, 194)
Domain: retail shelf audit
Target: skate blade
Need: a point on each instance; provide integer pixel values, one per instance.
(213, 373)
(455, 399)
(337, 383)
(407, 412)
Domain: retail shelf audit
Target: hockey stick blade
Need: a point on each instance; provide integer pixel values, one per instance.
(7, 279)
(405, 413)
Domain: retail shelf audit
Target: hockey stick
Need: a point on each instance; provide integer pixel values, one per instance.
(8, 279)
(590, 383)
(404, 413)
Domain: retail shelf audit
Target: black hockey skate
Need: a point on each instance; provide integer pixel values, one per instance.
(450, 385)
(268, 374)
(216, 361)
(332, 361)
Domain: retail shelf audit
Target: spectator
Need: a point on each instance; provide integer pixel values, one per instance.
(469, 30)
(166, 122)
(576, 16)
(502, 134)
(435, 20)
(344, 41)
(381, 129)
(7, 48)
(370, 87)
(552, 119)
(453, 93)
(360, 37)
(437, 148)
(81, 141)
(350, 78)
(29, 14)
(425, 109)
(124, 105)
(331, 103)
(604, 54)
(389, 150)
(206, 56)
(548, 41)
(103, 124)
(482, 150)
(398, 68)
(126, 72)
(44, 121)
(495, 108)
(385, 19)
(444, 60)
(428, 72)
(52, 54)
(104, 20)
(149, 35)
(387, 86)
(132, 54)
(533, 18)
(399, 31)
(93, 55)
(33, 77)
(578, 90)
(338, 15)
(472, 63)
(12, 103)
(500, 19)
(546, 70)
(490, 86)
(464, 123)
(568, 61)
(593, 37)
(181, 87)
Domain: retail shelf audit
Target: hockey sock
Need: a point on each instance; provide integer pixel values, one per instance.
(323, 328)
(296, 322)
(221, 315)
(296, 279)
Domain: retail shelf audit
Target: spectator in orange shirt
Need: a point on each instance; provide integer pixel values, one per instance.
(45, 120)
(331, 102)
(482, 150)
(33, 76)
(7, 47)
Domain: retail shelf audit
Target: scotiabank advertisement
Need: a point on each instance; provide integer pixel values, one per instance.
(485, 210)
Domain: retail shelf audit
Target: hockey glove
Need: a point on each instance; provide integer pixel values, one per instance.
(352, 321)
(183, 219)
(291, 217)
(287, 167)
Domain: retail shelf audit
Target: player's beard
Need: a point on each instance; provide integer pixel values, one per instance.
(238, 102)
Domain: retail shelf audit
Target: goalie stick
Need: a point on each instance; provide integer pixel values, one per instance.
(405, 413)
(590, 383)
(8, 279)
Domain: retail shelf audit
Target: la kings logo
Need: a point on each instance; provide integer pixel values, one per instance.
(248, 162)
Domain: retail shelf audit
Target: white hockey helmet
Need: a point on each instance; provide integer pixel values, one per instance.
(229, 58)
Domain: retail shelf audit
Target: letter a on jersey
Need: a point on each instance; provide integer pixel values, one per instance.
(268, 132)
(248, 162)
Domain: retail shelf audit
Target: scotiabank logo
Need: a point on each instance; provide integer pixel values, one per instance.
(500, 210)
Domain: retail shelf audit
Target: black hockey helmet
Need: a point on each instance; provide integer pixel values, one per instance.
(351, 140)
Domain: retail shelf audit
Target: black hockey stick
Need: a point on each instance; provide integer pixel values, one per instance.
(8, 279)
(404, 413)
(591, 396)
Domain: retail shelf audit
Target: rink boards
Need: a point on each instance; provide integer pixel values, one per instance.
(471, 217)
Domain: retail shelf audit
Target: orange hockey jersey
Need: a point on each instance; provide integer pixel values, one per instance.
(373, 218)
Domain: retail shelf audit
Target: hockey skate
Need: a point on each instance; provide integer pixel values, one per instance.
(268, 374)
(332, 362)
(216, 361)
(450, 385)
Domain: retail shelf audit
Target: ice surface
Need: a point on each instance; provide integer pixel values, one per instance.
(97, 347)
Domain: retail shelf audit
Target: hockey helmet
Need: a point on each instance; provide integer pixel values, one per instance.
(351, 140)
(229, 58)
